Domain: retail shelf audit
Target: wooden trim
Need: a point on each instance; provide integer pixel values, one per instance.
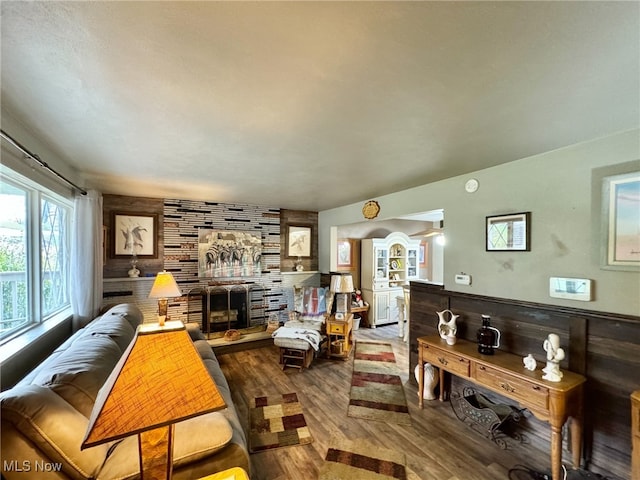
(564, 310)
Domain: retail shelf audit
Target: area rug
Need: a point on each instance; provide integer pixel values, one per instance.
(376, 387)
(277, 421)
(361, 460)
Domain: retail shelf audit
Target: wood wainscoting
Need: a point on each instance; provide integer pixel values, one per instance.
(601, 346)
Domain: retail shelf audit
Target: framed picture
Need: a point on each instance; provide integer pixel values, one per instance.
(229, 253)
(620, 205)
(299, 241)
(507, 233)
(134, 233)
(422, 254)
(345, 253)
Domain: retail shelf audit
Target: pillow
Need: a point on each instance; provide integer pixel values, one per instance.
(55, 427)
(310, 301)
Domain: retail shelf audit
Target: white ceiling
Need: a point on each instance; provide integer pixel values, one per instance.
(313, 105)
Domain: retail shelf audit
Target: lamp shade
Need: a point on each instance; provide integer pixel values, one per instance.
(342, 283)
(164, 286)
(160, 380)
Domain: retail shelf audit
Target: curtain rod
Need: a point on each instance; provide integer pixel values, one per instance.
(42, 163)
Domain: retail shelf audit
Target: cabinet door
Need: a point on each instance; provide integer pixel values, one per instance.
(381, 269)
(412, 263)
(382, 308)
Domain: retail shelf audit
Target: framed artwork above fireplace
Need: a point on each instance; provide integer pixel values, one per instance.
(228, 253)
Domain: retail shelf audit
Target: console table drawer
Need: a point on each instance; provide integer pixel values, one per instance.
(446, 360)
(528, 394)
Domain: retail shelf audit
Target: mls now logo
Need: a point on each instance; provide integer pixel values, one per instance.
(29, 466)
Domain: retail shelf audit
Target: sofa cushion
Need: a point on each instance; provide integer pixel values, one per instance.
(195, 439)
(200, 437)
(205, 350)
(194, 331)
(127, 311)
(80, 371)
(55, 427)
(114, 326)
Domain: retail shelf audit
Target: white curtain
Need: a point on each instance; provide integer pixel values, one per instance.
(86, 258)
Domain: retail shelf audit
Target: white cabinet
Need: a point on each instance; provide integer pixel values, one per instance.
(387, 264)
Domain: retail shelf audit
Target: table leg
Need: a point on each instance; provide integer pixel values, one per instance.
(420, 377)
(576, 429)
(442, 384)
(576, 440)
(400, 303)
(556, 452)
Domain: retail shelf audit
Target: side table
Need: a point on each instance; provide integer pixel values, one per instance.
(340, 333)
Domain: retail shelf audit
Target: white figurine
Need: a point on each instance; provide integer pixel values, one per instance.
(529, 362)
(555, 355)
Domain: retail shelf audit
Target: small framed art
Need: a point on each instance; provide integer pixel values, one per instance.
(345, 253)
(134, 233)
(510, 232)
(299, 241)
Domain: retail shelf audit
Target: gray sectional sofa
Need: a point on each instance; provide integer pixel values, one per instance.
(45, 416)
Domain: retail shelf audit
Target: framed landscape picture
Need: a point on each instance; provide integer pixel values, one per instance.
(134, 233)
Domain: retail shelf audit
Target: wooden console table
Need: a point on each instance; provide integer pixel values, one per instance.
(504, 373)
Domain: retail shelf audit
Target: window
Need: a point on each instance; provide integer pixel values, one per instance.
(35, 242)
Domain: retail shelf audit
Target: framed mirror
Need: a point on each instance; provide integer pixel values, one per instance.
(506, 233)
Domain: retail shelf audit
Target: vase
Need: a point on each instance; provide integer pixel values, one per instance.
(488, 337)
(430, 380)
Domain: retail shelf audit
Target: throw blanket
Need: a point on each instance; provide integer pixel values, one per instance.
(310, 336)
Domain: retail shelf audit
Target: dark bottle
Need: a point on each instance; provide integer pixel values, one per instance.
(488, 337)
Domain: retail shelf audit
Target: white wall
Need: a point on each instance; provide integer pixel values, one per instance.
(14, 159)
(561, 189)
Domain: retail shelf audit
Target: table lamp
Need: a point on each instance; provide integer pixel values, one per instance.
(159, 381)
(163, 288)
(342, 286)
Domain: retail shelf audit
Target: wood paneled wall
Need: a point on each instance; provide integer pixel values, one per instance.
(602, 346)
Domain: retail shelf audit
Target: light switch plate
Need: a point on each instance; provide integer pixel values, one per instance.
(463, 279)
(570, 288)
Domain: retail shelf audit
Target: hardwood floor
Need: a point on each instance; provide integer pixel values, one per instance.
(437, 446)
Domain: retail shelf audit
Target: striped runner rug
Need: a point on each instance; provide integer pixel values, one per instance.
(376, 388)
(361, 460)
